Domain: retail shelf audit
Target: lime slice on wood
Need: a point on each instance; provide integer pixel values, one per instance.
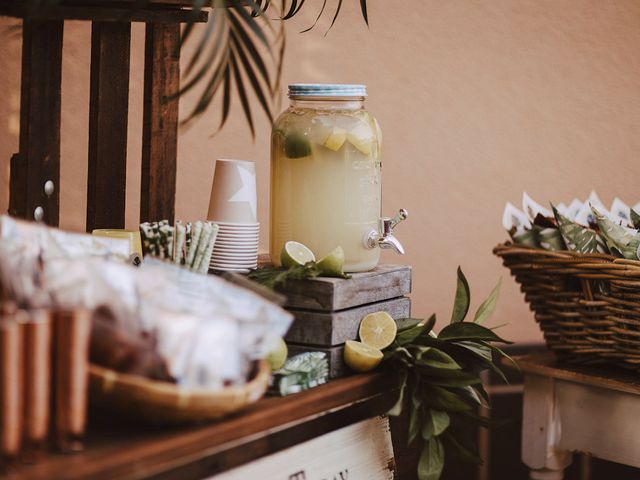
(378, 330)
(361, 357)
(332, 264)
(295, 253)
(297, 145)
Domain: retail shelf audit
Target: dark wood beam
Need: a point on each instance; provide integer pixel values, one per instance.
(160, 122)
(108, 118)
(38, 161)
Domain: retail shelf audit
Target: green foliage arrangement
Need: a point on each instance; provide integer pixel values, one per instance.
(273, 277)
(440, 379)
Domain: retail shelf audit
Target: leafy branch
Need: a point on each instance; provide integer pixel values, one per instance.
(238, 46)
(273, 277)
(440, 379)
(238, 49)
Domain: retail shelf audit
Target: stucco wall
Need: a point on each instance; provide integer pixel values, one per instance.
(477, 102)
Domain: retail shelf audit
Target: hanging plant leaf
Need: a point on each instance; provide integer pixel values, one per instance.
(431, 460)
(435, 423)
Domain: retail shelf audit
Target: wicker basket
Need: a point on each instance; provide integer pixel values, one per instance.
(166, 403)
(587, 305)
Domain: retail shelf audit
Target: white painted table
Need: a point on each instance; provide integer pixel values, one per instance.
(577, 409)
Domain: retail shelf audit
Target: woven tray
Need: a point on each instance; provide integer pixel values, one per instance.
(587, 305)
(165, 403)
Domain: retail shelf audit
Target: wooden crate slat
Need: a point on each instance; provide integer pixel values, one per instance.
(160, 122)
(39, 157)
(331, 294)
(334, 328)
(108, 118)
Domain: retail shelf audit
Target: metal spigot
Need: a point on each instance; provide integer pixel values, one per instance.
(384, 238)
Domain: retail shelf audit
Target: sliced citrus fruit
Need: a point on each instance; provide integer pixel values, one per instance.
(331, 265)
(295, 253)
(378, 330)
(278, 355)
(336, 139)
(361, 137)
(361, 357)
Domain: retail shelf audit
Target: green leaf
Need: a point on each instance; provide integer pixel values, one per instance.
(462, 299)
(488, 306)
(438, 359)
(463, 452)
(443, 399)
(363, 8)
(408, 335)
(415, 417)
(397, 408)
(431, 460)
(407, 323)
(469, 331)
(435, 422)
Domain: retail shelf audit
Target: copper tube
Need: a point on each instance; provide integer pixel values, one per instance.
(11, 385)
(71, 354)
(37, 376)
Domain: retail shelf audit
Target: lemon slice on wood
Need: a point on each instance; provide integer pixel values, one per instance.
(378, 330)
(361, 357)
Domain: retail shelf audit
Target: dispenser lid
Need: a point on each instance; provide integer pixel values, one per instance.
(327, 90)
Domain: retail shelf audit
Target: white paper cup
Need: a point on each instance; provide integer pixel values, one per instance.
(233, 192)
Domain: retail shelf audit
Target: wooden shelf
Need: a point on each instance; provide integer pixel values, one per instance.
(116, 449)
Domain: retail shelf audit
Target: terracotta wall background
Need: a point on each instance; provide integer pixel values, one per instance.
(477, 102)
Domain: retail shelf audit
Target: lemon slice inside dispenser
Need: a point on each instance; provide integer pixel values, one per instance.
(336, 139)
(361, 137)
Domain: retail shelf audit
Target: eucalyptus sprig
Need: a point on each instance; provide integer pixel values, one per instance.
(272, 277)
(440, 379)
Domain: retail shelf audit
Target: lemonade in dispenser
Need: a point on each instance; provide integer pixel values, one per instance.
(326, 177)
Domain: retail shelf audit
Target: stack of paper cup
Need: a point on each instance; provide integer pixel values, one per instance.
(233, 208)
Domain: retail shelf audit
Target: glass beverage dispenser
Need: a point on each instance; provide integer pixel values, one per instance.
(326, 174)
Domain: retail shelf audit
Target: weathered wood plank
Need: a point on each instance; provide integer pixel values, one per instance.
(117, 449)
(39, 157)
(108, 116)
(546, 364)
(160, 122)
(155, 13)
(337, 367)
(331, 294)
(334, 328)
(362, 450)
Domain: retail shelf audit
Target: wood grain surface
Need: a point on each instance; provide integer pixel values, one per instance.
(160, 122)
(119, 448)
(332, 294)
(39, 156)
(108, 118)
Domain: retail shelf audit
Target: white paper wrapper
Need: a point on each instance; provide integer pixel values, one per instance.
(207, 329)
(532, 209)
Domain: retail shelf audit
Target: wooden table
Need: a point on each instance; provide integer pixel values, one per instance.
(120, 450)
(577, 409)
